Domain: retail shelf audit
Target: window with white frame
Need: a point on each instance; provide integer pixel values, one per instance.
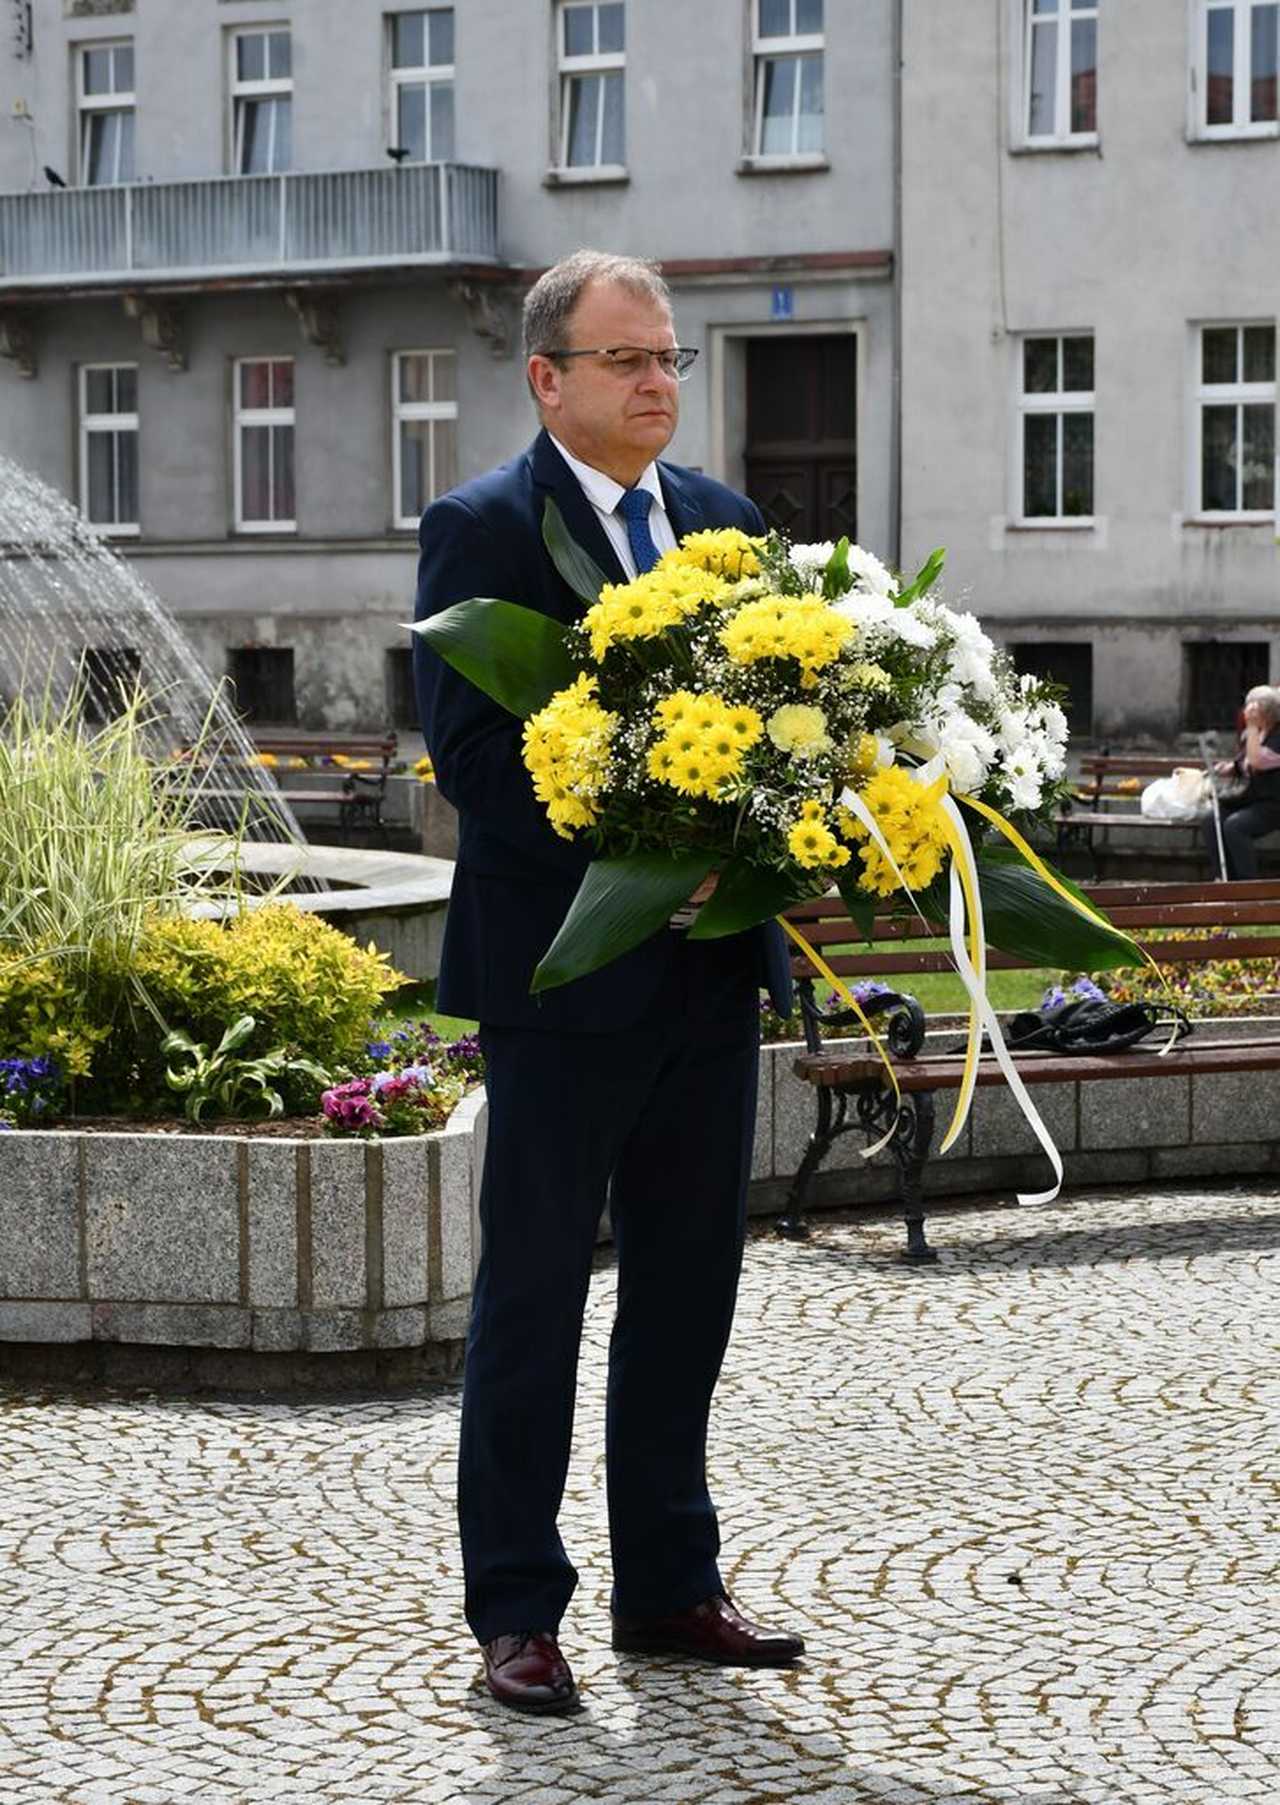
(1055, 409)
(1236, 409)
(422, 83)
(424, 407)
(1061, 71)
(261, 101)
(105, 100)
(592, 53)
(264, 444)
(109, 446)
(1237, 46)
(787, 46)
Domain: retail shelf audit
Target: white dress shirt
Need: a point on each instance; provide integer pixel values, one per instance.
(604, 495)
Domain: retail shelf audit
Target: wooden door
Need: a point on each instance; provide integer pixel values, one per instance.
(801, 452)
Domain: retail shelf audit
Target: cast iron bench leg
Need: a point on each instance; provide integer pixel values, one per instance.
(911, 1146)
(791, 1224)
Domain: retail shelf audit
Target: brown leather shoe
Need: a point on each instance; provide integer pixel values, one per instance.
(528, 1672)
(712, 1631)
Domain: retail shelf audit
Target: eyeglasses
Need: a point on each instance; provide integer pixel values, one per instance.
(630, 361)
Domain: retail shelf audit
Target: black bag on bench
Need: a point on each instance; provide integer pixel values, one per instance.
(1083, 1025)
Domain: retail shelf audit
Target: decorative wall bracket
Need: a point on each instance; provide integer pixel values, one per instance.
(160, 323)
(319, 319)
(485, 313)
(17, 341)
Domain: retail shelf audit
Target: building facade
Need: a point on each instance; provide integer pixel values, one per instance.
(1091, 278)
(261, 265)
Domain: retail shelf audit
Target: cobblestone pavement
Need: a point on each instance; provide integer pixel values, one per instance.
(1024, 1505)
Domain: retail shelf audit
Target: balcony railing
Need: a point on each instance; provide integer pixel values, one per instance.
(251, 225)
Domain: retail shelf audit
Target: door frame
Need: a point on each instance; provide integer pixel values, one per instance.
(727, 386)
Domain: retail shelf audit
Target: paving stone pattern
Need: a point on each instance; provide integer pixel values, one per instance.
(1024, 1506)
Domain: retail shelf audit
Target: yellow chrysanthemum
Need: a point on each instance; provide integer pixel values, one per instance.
(798, 728)
(567, 752)
(647, 606)
(704, 742)
(725, 552)
(813, 845)
(913, 826)
(803, 627)
(865, 675)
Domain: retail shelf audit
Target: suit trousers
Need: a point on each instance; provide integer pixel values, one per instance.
(659, 1119)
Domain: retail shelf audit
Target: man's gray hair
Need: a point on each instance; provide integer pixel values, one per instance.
(549, 304)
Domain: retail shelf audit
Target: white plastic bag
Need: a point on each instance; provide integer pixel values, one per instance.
(1182, 796)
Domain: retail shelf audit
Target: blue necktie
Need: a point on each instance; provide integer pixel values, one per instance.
(634, 506)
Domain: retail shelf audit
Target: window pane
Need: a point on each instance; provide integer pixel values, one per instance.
(579, 39)
(779, 105)
(1257, 471)
(282, 146)
(126, 477)
(1077, 364)
(809, 133)
(1259, 353)
(279, 55)
(255, 137)
(97, 72)
(444, 377)
(440, 35)
(584, 102)
(775, 18)
(1077, 464)
(282, 486)
(282, 383)
(446, 455)
(1040, 366)
(415, 466)
(1218, 459)
(611, 28)
(407, 41)
(1084, 75)
(100, 502)
(1045, 6)
(442, 120)
(1219, 354)
(1220, 86)
(124, 146)
(99, 391)
(126, 390)
(1044, 79)
(123, 72)
(255, 473)
(1040, 465)
(411, 134)
(613, 146)
(415, 377)
(100, 163)
(251, 56)
(808, 16)
(255, 385)
(1262, 66)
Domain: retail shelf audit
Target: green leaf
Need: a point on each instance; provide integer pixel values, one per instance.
(861, 906)
(745, 895)
(924, 579)
(515, 655)
(620, 902)
(236, 1035)
(835, 578)
(1023, 916)
(581, 572)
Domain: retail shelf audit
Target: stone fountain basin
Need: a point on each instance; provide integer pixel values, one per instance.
(397, 900)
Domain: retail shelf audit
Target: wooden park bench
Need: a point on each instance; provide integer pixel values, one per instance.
(856, 1077)
(364, 761)
(1108, 795)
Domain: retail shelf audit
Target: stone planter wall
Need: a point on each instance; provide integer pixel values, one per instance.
(248, 1245)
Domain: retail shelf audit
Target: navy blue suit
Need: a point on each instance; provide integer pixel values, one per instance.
(636, 1083)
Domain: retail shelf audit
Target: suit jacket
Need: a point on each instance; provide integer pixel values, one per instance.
(515, 877)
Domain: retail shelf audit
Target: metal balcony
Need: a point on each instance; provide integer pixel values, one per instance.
(250, 226)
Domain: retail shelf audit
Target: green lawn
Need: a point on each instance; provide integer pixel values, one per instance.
(416, 1003)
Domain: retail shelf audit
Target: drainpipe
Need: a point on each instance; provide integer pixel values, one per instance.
(895, 421)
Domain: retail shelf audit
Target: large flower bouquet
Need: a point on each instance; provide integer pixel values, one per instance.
(790, 717)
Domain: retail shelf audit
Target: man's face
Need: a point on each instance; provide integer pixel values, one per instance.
(614, 421)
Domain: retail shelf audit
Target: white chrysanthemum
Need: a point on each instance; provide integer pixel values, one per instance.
(869, 573)
(811, 560)
(880, 622)
(965, 748)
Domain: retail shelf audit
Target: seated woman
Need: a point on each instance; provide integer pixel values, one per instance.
(1255, 810)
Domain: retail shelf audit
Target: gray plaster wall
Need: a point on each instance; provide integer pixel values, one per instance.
(1137, 241)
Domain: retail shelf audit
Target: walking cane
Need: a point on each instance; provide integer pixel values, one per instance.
(1212, 775)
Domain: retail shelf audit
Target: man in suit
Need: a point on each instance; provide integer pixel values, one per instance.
(636, 1083)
